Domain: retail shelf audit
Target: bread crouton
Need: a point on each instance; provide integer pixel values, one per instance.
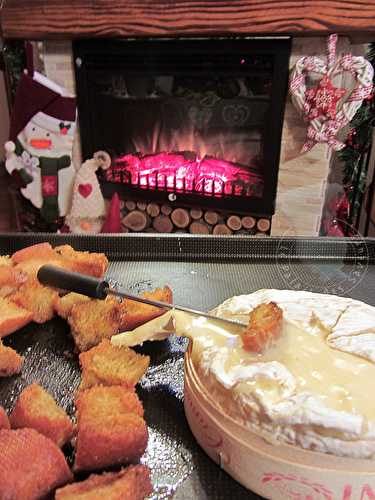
(36, 298)
(5, 260)
(134, 314)
(31, 258)
(32, 266)
(264, 328)
(4, 420)
(10, 361)
(38, 251)
(111, 428)
(36, 409)
(93, 264)
(31, 465)
(132, 483)
(93, 321)
(10, 280)
(64, 305)
(12, 316)
(109, 365)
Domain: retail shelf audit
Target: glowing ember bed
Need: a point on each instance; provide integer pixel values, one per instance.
(185, 172)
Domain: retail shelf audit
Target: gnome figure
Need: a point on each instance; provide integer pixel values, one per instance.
(39, 152)
(88, 206)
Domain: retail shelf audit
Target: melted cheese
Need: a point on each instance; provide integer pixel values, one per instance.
(304, 387)
(342, 381)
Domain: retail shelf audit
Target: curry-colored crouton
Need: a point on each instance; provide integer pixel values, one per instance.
(132, 483)
(31, 465)
(36, 298)
(64, 305)
(111, 428)
(10, 361)
(38, 251)
(32, 266)
(93, 264)
(12, 317)
(264, 328)
(109, 365)
(4, 420)
(5, 260)
(93, 321)
(134, 314)
(30, 259)
(10, 279)
(36, 409)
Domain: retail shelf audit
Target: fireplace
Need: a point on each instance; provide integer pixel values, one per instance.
(195, 122)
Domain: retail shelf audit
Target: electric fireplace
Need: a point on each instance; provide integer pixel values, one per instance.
(195, 122)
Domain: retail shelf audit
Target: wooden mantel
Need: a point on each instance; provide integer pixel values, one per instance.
(53, 19)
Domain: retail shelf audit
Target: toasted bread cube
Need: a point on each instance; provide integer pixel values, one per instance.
(30, 259)
(5, 260)
(31, 465)
(38, 251)
(132, 483)
(134, 314)
(264, 328)
(12, 317)
(10, 361)
(93, 264)
(4, 420)
(110, 365)
(111, 428)
(93, 321)
(36, 298)
(64, 305)
(32, 266)
(36, 409)
(10, 279)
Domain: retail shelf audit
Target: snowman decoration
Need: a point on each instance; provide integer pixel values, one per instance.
(38, 154)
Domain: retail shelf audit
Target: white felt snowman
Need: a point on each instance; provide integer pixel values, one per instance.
(88, 206)
(39, 152)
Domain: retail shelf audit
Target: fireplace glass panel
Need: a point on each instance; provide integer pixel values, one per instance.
(197, 118)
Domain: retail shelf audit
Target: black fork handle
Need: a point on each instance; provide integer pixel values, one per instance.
(74, 282)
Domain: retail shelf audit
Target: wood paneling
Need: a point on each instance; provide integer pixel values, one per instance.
(47, 19)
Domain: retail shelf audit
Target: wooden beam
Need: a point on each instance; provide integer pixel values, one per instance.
(54, 19)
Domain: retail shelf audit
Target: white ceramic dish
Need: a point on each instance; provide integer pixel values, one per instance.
(277, 472)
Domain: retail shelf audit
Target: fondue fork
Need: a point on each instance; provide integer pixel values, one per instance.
(99, 289)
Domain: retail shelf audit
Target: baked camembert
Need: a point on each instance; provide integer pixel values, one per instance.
(311, 387)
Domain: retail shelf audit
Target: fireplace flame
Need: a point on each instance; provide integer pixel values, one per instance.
(183, 172)
(216, 164)
(236, 147)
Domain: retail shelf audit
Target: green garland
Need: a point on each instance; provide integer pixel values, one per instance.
(15, 62)
(357, 147)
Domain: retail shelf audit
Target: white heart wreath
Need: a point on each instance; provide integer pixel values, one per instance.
(322, 129)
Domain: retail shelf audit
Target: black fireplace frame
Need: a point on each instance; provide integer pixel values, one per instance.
(93, 54)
